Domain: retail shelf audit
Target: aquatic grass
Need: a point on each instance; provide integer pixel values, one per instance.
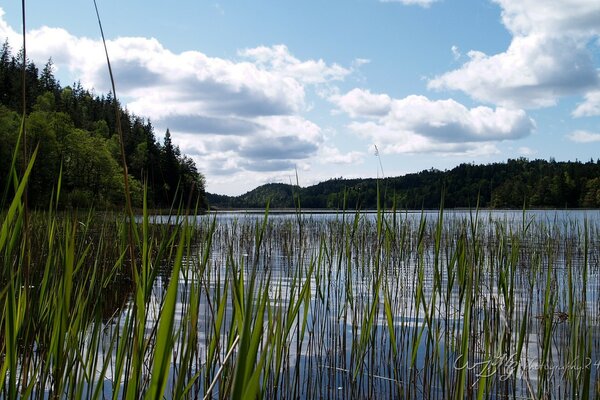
(164, 336)
(249, 314)
(406, 304)
(361, 305)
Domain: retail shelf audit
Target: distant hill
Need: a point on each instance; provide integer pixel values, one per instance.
(513, 184)
(279, 195)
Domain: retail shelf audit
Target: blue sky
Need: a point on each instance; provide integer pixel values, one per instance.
(254, 91)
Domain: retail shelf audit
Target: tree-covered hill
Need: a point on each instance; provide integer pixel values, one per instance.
(518, 182)
(279, 195)
(76, 132)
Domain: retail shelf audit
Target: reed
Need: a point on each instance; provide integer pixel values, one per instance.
(351, 305)
(222, 308)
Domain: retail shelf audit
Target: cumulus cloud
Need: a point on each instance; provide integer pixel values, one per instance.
(280, 143)
(283, 142)
(534, 72)
(278, 58)
(162, 83)
(359, 102)
(590, 107)
(584, 137)
(416, 124)
(233, 116)
(549, 56)
(333, 155)
(6, 32)
(567, 17)
(214, 125)
(422, 3)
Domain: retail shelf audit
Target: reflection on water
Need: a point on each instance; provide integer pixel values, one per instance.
(502, 301)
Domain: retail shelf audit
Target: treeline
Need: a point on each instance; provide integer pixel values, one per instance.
(514, 184)
(76, 132)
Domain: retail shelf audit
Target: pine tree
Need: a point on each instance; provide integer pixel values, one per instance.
(47, 81)
(170, 168)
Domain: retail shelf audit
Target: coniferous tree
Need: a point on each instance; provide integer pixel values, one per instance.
(170, 170)
(73, 123)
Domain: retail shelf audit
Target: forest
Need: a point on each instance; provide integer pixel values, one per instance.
(75, 131)
(76, 134)
(516, 183)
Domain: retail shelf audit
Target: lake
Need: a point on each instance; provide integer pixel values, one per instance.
(365, 305)
(453, 304)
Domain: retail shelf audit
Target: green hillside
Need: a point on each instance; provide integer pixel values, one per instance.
(76, 131)
(517, 182)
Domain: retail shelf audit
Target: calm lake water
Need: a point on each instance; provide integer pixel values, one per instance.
(386, 313)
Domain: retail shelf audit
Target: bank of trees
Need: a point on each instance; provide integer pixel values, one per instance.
(513, 184)
(76, 132)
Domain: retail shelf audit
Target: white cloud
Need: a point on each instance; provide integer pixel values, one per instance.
(422, 3)
(455, 52)
(331, 155)
(238, 162)
(160, 83)
(565, 17)
(235, 117)
(548, 57)
(534, 72)
(359, 102)
(590, 107)
(278, 144)
(416, 124)
(6, 32)
(581, 136)
(280, 60)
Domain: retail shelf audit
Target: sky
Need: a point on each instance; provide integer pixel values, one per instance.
(264, 91)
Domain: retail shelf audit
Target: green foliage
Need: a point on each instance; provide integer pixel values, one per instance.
(77, 129)
(87, 163)
(535, 183)
(9, 131)
(591, 195)
(353, 306)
